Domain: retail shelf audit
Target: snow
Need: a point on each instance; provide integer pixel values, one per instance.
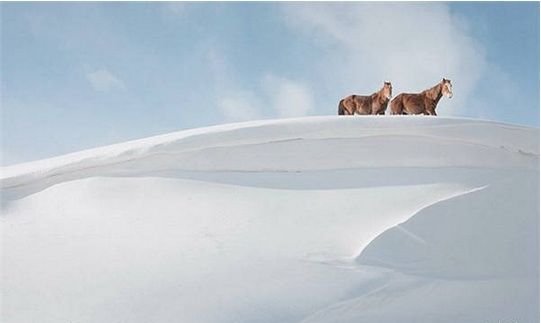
(317, 219)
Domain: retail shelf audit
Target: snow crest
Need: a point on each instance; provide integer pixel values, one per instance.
(319, 219)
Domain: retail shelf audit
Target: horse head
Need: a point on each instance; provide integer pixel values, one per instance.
(446, 88)
(387, 90)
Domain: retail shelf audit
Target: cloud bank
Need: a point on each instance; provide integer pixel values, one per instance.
(271, 96)
(412, 45)
(288, 98)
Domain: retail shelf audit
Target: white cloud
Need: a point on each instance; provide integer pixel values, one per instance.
(233, 103)
(412, 45)
(289, 98)
(271, 96)
(239, 106)
(103, 80)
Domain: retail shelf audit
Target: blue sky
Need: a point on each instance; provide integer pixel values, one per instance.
(82, 75)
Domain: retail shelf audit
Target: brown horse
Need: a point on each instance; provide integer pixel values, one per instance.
(369, 104)
(424, 102)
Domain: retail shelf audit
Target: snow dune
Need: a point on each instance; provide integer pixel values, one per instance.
(320, 219)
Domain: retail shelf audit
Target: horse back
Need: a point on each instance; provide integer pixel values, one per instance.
(359, 104)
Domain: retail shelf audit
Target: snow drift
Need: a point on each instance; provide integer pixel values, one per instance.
(321, 219)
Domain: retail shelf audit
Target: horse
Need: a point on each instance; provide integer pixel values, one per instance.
(424, 102)
(376, 103)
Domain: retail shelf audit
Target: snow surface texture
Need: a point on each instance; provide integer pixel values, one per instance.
(320, 219)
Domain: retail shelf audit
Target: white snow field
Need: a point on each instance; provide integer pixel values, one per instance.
(317, 219)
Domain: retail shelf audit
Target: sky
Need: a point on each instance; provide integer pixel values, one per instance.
(81, 75)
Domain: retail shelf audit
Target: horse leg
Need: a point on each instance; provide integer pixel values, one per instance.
(396, 106)
(341, 108)
(404, 112)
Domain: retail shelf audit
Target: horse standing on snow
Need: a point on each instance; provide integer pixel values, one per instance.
(369, 104)
(424, 102)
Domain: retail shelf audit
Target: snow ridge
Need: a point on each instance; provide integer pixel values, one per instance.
(371, 217)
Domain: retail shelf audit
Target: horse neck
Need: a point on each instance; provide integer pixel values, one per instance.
(379, 96)
(434, 93)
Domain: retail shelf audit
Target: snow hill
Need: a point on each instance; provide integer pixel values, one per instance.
(319, 219)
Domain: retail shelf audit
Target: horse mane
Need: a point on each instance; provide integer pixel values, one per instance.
(379, 96)
(434, 92)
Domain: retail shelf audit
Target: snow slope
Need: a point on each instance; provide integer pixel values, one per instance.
(319, 219)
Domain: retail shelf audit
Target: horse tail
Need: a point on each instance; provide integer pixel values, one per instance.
(397, 106)
(341, 108)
